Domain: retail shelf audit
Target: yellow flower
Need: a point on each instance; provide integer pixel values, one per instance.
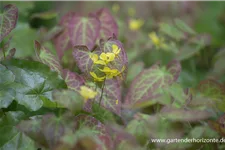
(158, 42)
(107, 57)
(115, 8)
(110, 73)
(117, 101)
(116, 50)
(94, 58)
(87, 93)
(96, 78)
(135, 24)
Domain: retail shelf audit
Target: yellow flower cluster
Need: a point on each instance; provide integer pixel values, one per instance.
(104, 59)
(87, 93)
(158, 42)
(135, 24)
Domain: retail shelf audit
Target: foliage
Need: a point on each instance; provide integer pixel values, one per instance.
(98, 82)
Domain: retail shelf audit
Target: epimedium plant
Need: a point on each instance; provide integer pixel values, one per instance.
(45, 105)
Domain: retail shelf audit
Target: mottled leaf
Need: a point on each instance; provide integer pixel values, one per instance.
(174, 114)
(73, 80)
(62, 41)
(81, 55)
(55, 31)
(111, 98)
(213, 90)
(8, 20)
(108, 24)
(148, 84)
(46, 57)
(98, 128)
(32, 81)
(84, 31)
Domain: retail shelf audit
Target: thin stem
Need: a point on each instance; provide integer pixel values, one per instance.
(102, 93)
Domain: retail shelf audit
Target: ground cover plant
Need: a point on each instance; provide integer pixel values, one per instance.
(107, 79)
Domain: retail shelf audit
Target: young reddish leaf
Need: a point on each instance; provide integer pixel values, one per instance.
(62, 41)
(73, 80)
(147, 85)
(81, 55)
(111, 98)
(8, 20)
(84, 31)
(46, 57)
(184, 115)
(108, 24)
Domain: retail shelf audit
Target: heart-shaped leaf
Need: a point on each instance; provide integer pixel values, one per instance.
(147, 85)
(62, 41)
(73, 80)
(81, 55)
(84, 31)
(33, 80)
(98, 128)
(108, 24)
(111, 98)
(8, 20)
(46, 57)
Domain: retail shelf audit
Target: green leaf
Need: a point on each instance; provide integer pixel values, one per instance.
(189, 50)
(6, 97)
(183, 26)
(23, 39)
(171, 31)
(134, 70)
(32, 81)
(45, 15)
(10, 137)
(14, 140)
(6, 94)
(6, 76)
(69, 99)
(184, 115)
